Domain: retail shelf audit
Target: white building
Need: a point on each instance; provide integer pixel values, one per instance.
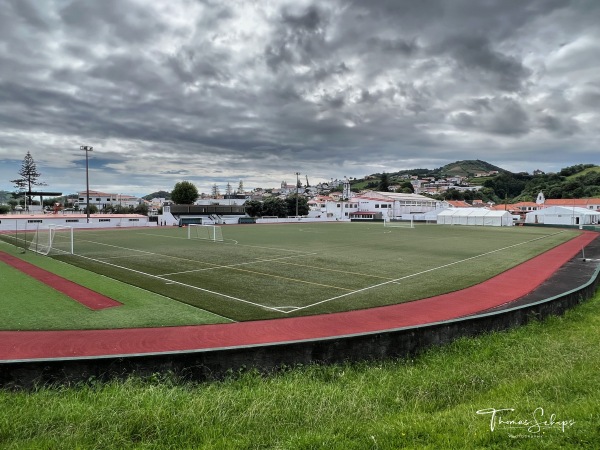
(564, 215)
(376, 205)
(475, 216)
(103, 199)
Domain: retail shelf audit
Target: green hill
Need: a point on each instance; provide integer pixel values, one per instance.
(5, 196)
(468, 168)
(584, 172)
(159, 194)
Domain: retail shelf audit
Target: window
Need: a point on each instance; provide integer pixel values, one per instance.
(104, 220)
(72, 220)
(97, 199)
(134, 220)
(34, 221)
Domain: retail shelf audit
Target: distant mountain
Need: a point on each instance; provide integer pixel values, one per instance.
(159, 194)
(468, 168)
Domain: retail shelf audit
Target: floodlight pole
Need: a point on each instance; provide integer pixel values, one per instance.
(87, 149)
(297, 193)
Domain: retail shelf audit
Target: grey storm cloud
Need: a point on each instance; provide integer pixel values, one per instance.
(218, 91)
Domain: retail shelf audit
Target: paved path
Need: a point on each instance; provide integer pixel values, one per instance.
(506, 287)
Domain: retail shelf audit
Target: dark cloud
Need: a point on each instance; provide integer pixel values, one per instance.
(219, 90)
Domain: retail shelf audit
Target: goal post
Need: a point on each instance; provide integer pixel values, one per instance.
(205, 232)
(52, 239)
(398, 222)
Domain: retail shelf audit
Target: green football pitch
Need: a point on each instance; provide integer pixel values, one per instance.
(272, 271)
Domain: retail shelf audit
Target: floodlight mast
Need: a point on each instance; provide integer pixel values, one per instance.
(87, 149)
(297, 188)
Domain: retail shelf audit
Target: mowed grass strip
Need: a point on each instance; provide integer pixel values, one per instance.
(429, 402)
(27, 304)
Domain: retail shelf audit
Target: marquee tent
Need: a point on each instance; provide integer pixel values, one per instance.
(475, 216)
(564, 215)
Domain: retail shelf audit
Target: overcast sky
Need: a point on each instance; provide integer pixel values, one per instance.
(223, 91)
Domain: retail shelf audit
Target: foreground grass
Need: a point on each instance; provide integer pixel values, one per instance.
(429, 402)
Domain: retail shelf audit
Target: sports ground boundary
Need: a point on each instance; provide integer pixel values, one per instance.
(208, 351)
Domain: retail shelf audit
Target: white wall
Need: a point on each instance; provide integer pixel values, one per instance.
(22, 222)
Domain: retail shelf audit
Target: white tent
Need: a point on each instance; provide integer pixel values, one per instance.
(475, 216)
(564, 215)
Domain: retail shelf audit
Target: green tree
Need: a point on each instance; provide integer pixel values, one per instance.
(184, 193)
(274, 206)
(93, 209)
(290, 202)
(253, 208)
(406, 187)
(142, 209)
(384, 183)
(29, 175)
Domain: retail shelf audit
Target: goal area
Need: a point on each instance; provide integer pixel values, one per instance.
(397, 222)
(52, 239)
(204, 232)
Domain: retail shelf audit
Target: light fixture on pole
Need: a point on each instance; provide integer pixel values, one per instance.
(297, 186)
(87, 149)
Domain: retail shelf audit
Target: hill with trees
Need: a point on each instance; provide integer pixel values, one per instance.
(158, 194)
(578, 181)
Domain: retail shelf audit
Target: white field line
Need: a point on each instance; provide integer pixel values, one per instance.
(229, 266)
(337, 270)
(142, 289)
(166, 280)
(420, 273)
(232, 266)
(236, 244)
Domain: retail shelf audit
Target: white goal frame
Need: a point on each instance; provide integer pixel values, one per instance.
(44, 240)
(204, 232)
(396, 222)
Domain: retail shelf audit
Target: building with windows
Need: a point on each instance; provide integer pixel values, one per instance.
(371, 205)
(102, 199)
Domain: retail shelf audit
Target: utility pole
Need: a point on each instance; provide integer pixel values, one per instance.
(297, 193)
(87, 149)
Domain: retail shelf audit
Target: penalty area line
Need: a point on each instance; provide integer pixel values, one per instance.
(166, 280)
(396, 281)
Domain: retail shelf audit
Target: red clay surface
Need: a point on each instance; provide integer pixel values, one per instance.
(499, 290)
(87, 297)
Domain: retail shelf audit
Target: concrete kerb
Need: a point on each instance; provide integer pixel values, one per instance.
(216, 363)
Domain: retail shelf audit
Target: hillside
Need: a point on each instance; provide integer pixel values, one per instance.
(5, 196)
(468, 168)
(159, 194)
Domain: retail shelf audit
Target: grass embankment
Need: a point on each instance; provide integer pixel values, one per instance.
(429, 402)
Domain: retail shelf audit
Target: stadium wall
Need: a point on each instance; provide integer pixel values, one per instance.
(206, 365)
(23, 222)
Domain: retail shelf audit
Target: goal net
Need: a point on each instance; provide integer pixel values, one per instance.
(397, 222)
(52, 239)
(205, 232)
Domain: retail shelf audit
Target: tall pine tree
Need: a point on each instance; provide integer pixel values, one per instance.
(29, 175)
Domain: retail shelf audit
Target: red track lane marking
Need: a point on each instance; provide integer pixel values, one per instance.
(87, 297)
(501, 289)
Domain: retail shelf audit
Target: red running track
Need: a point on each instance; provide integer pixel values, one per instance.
(87, 297)
(497, 291)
